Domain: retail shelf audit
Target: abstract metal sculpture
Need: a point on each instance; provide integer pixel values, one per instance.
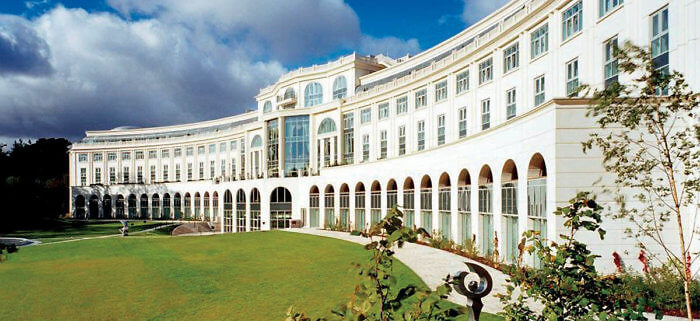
(475, 283)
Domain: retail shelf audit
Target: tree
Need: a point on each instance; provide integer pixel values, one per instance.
(651, 146)
(567, 283)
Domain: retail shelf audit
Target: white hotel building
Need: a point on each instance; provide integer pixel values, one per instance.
(474, 137)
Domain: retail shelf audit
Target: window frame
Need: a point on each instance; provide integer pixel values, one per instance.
(485, 114)
(539, 41)
(511, 103)
(441, 91)
(462, 82)
(539, 90)
(511, 57)
(486, 70)
(572, 20)
(572, 83)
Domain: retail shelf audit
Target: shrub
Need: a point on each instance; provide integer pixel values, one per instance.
(567, 283)
(355, 233)
(666, 287)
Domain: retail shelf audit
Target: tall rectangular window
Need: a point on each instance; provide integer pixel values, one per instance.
(201, 170)
(222, 168)
(152, 173)
(177, 172)
(212, 169)
(571, 76)
(98, 175)
(659, 42)
(296, 146)
(607, 5)
(401, 105)
(421, 135)
(402, 140)
(366, 115)
(485, 70)
(139, 174)
(83, 176)
(349, 138)
(189, 171)
(112, 175)
(383, 110)
(610, 61)
(510, 57)
(365, 148)
(125, 175)
(441, 91)
(485, 114)
(539, 41)
(463, 122)
(539, 90)
(441, 129)
(421, 98)
(165, 173)
(510, 103)
(383, 144)
(572, 20)
(462, 82)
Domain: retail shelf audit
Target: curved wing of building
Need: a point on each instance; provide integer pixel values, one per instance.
(474, 138)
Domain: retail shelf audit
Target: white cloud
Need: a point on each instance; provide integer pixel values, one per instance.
(389, 46)
(110, 72)
(477, 9)
(161, 62)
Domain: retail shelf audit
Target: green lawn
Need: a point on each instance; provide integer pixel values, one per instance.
(71, 229)
(246, 276)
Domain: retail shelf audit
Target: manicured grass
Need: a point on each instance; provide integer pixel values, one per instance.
(71, 229)
(246, 276)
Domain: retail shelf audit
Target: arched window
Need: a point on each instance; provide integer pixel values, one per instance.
(537, 198)
(409, 203)
(166, 206)
(360, 207)
(344, 207)
(280, 208)
(464, 196)
(228, 212)
(340, 87)
(509, 209)
(107, 206)
(215, 206)
(327, 126)
(313, 206)
(177, 206)
(485, 211)
(256, 142)
(240, 211)
(329, 205)
(144, 206)
(94, 207)
(375, 198)
(255, 210)
(132, 206)
(80, 207)
(207, 206)
(445, 205)
(391, 195)
(197, 206)
(267, 107)
(188, 206)
(120, 206)
(313, 94)
(289, 93)
(426, 203)
(155, 207)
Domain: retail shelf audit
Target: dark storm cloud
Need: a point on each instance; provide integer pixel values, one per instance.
(22, 51)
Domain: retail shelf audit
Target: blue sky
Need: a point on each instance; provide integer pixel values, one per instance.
(73, 65)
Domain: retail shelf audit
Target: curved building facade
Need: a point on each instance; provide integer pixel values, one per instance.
(474, 137)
